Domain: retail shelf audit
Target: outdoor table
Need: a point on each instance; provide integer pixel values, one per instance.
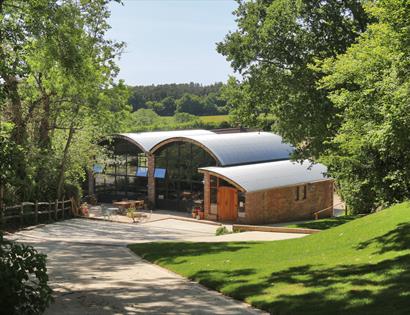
(125, 204)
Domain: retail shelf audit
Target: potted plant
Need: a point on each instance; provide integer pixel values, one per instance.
(84, 211)
(132, 213)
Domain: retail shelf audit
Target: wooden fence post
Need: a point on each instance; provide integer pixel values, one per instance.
(55, 210)
(72, 207)
(2, 215)
(21, 215)
(49, 211)
(36, 212)
(63, 207)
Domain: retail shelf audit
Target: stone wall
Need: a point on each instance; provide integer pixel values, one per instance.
(280, 205)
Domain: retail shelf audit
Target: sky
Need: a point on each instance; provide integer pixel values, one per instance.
(172, 41)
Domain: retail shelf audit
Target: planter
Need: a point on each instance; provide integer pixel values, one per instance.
(201, 215)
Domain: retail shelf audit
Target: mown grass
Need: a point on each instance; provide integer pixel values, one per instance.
(360, 267)
(324, 224)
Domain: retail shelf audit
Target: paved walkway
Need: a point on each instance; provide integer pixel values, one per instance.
(96, 213)
(92, 272)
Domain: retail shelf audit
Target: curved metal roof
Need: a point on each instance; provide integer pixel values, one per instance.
(263, 176)
(239, 148)
(147, 140)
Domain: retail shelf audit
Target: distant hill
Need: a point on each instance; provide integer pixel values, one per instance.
(168, 99)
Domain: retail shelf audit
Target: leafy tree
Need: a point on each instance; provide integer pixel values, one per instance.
(56, 76)
(144, 117)
(274, 47)
(189, 103)
(168, 106)
(161, 98)
(370, 87)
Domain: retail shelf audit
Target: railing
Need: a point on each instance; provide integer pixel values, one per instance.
(316, 214)
(33, 213)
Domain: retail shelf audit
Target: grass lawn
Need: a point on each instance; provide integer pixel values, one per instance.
(361, 267)
(324, 224)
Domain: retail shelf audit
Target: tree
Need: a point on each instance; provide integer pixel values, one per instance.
(370, 87)
(56, 76)
(144, 117)
(274, 47)
(189, 103)
(168, 106)
(161, 98)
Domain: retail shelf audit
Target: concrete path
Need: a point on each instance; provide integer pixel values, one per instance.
(92, 272)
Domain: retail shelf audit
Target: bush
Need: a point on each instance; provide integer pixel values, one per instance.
(23, 280)
(222, 230)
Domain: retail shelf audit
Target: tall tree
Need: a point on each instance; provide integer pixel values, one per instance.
(57, 70)
(370, 87)
(274, 47)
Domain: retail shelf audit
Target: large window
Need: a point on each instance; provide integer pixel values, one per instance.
(182, 182)
(119, 177)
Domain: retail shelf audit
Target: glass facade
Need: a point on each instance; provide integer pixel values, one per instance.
(119, 178)
(182, 183)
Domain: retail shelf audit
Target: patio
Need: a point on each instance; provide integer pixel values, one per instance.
(92, 272)
(96, 212)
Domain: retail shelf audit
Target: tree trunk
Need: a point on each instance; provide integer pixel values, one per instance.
(44, 132)
(44, 139)
(64, 162)
(61, 174)
(11, 89)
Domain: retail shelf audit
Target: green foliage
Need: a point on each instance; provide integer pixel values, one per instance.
(148, 120)
(57, 90)
(23, 280)
(370, 87)
(167, 99)
(222, 230)
(360, 267)
(273, 48)
(190, 104)
(333, 78)
(185, 117)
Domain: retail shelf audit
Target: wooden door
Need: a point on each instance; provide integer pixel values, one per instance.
(227, 204)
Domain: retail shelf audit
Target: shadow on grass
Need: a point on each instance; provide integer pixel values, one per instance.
(377, 288)
(381, 288)
(169, 252)
(395, 240)
(324, 224)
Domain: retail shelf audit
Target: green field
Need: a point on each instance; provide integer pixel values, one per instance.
(217, 118)
(204, 119)
(360, 267)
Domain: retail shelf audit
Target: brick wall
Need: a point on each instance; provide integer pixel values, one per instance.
(280, 205)
(207, 195)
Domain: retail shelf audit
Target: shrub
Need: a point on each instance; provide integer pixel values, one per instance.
(23, 280)
(222, 230)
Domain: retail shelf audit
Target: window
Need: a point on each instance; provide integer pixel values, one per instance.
(301, 193)
(241, 202)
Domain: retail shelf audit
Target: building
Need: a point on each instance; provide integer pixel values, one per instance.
(240, 177)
